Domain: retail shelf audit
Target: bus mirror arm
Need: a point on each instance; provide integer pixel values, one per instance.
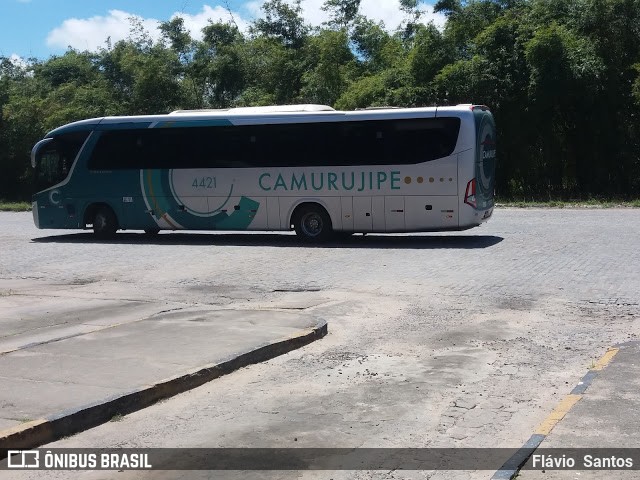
(36, 149)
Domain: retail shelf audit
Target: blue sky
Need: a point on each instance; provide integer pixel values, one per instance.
(41, 28)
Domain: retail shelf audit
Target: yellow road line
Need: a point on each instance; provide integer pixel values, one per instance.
(570, 400)
(606, 359)
(558, 414)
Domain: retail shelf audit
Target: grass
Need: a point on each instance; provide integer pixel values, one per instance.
(6, 206)
(117, 418)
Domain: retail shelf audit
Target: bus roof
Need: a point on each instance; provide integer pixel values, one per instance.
(256, 115)
(258, 110)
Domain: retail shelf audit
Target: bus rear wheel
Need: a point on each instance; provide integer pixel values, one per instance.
(105, 223)
(313, 224)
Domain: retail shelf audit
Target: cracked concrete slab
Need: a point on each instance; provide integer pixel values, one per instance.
(63, 351)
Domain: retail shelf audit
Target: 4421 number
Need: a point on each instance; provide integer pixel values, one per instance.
(204, 182)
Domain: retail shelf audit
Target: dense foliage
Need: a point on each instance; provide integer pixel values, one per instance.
(561, 76)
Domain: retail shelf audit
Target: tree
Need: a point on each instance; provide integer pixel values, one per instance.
(613, 29)
(143, 79)
(219, 67)
(282, 22)
(430, 53)
(20, 126)
(275, 73)
(503, 46)
(330, 66)
(636, 85)
(464, 23)
(369, 39)
(178, 37)
(413, 13)
(344, 12)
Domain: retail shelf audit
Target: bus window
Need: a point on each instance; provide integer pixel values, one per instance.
(48, 171)
(54, 161)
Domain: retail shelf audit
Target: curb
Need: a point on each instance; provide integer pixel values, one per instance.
(511, 468)
(38, 432)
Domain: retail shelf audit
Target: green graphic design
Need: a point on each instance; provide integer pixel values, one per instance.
(158, 193)
(239, 219)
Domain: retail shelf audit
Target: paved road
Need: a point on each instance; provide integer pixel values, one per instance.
(465, 339)
(608, 416)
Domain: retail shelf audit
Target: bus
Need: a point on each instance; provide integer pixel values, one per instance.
(307, 168)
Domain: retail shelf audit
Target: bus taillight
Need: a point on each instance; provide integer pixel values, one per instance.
(470, 194)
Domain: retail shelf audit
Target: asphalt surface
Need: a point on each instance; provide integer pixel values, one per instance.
(606, 417)
(444, 340)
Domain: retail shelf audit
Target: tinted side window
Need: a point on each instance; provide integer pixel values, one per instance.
(303, 144)
(355, 143)
(423, 139)
(195, 147)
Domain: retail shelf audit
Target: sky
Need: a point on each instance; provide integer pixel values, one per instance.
(42, 28)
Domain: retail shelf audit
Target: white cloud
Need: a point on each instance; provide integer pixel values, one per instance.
(313, 13)
(18, 61)
(254, 7)
(92, 33)
(195, 23)
(387, 11)
(428, 15)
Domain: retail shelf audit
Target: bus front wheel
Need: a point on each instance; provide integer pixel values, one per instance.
(105, 223)
(312, 224)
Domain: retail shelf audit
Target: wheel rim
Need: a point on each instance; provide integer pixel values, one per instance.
(100, 221)
(312, 224)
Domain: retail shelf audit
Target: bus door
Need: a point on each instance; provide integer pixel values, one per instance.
(362, 214)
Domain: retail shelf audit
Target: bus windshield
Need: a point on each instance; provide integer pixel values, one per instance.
(53, 159)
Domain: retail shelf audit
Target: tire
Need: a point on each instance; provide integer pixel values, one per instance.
(105, 223)
(151, 231)
(313, 224)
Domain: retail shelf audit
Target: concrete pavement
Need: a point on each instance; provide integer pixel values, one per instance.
(604, 415)
(70, 363)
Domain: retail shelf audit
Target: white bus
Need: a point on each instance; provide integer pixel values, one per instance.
(305, 167)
